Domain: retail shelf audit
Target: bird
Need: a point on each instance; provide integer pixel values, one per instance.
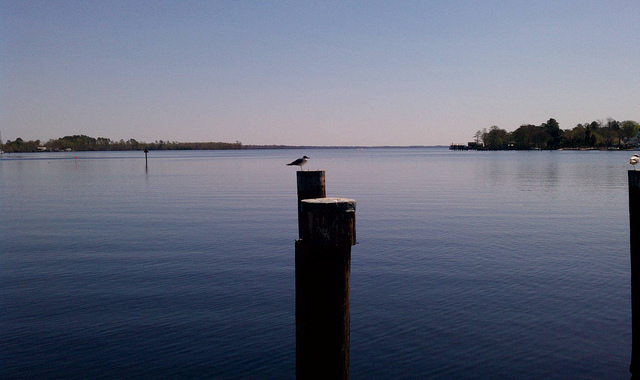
(299, 162)
(634, 161)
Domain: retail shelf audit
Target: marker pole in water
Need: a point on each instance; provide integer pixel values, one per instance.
(634, 229)
(146, 163)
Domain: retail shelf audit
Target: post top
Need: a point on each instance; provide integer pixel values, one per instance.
(329, 204)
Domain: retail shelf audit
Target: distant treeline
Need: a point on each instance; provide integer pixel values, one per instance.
(596, 134)
(86, 143)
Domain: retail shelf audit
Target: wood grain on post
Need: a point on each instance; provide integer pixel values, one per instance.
(634, 229)
(311, 185)
(323, 271)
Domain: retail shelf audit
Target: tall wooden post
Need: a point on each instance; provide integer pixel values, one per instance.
(323, 270)
(146, 163)
(311, 185)
(634, 227)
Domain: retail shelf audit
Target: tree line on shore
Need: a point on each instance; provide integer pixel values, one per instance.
(596, 134)
(86, 143)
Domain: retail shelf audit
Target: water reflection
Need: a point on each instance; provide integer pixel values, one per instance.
(479, 258)
(578, 172)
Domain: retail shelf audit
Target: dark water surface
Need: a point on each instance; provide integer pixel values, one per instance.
(509, 265)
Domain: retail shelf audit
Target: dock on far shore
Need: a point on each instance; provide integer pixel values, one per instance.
(467, 146)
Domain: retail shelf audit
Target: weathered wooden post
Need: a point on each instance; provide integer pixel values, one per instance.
(146, 163)
(634, 229)
(323, 270)
(311, 184)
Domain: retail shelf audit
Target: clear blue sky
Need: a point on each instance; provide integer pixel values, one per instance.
(313, 72)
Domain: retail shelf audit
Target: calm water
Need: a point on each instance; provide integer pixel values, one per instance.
(470, 265)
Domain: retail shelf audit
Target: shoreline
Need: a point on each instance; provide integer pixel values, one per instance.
(287, 147)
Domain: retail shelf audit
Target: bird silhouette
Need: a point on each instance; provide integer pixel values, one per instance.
(299, 162)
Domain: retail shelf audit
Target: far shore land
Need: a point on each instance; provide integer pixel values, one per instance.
(205, 146)
(83, 143)
(597, 135)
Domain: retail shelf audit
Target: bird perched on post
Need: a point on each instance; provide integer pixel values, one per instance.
(634, 161)
(299, 162)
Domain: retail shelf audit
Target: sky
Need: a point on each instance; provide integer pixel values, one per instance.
(339, 73)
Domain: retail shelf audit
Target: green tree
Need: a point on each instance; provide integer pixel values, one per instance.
(477, 137)
(552, 127)
(496, 138)
(539, 138)
(19, 145)
(611, 132)
(523, 136)
(576, 137)
(628, 129)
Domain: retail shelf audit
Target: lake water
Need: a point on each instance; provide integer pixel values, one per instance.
(510, 265)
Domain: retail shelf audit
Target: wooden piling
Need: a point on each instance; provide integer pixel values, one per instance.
(311, 185)
(634, 229)
(146, 163)
(323, 270)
